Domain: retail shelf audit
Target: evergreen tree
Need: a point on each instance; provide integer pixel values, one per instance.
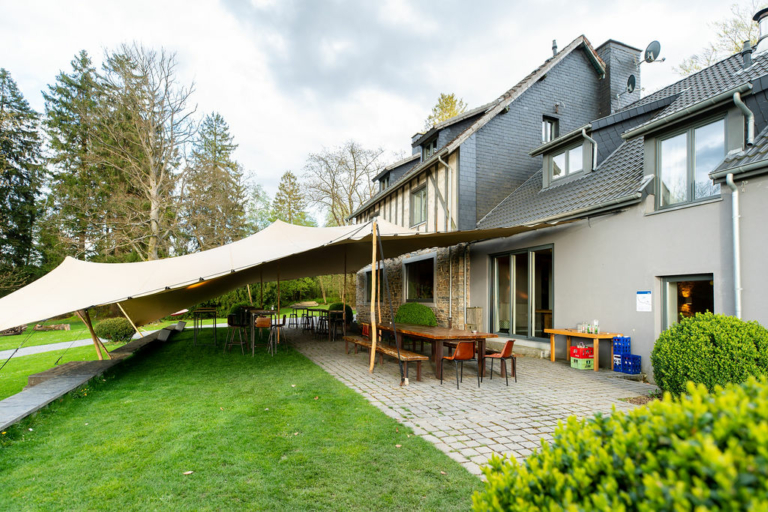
(290, 203)
(447, 106)
(80, 187)
(215, 202)
(21, 175)
(259, 209)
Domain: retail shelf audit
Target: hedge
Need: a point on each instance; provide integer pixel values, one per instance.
(338, 306)
(708, 349)
(115, 329)
(700, 451)
(415, 313)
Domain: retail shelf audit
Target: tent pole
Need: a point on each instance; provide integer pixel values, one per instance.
(85, 317)
(262, 289)
(278, 301)
(344, 297)
(374, 272)
(129, 319)
(398, 339)
(250, 297)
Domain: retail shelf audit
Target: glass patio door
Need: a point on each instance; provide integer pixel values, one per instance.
(502, 293)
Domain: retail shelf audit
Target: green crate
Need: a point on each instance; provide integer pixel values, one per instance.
(583, 363)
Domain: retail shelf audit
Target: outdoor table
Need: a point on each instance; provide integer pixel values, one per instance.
(252, 314)
(573, 333)
(438, 336)
(197, 318)
(306, 324)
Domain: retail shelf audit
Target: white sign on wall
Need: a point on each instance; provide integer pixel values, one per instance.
(644, 301)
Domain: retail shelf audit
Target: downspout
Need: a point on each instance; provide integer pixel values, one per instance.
(750, 118)
(736, 243)
(594, 147)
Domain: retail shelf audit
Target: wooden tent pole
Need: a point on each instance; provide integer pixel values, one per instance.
(85, 317)
(250, 297)
(344, 297)
(129, 319)
(278, 301)
(373, 300)
(262, 289)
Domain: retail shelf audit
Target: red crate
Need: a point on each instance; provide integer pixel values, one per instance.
(582, 352)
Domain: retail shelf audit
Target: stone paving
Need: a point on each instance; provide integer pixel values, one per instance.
(473, 423)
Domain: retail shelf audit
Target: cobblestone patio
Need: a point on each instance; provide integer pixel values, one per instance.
(471, 424)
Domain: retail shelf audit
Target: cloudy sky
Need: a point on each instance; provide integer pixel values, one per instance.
(292, 77)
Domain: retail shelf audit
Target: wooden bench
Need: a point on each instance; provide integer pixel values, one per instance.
(405, 356)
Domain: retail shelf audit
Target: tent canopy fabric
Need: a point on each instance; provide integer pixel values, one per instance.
(151, 290)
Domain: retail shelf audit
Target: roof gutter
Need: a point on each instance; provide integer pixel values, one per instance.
(693, 109)
(741, 170)
(562, 140)
(612, 204)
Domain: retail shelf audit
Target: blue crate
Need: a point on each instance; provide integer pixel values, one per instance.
(617, 362)
(630, 364)
(622, 345)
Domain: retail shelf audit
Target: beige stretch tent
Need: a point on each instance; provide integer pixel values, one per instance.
(151, 290)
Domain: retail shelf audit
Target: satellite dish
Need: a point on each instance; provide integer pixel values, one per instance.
(652, 52)
(631, 83)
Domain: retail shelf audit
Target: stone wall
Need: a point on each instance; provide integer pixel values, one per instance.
(445, 271)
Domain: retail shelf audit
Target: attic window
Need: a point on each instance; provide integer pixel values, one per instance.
(384, 181)
(568, 162)
(429, 149)
(549, 129)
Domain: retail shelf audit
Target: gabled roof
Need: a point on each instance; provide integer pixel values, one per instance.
(395, 165)
(701, 86)
(495, 109)
(752, 159)
(450, 122)
(617, 181)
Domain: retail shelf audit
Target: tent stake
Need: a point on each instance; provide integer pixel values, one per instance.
(374, 272)
(83, 314)
(129, 319)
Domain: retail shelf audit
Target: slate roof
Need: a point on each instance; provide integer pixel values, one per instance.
(449, 122)
(619, 178)
(395, 165)
(709, 82)
(495, 108)
(755, 154)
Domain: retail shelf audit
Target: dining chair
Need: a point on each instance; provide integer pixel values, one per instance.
(262, 322)
(506, 353)
(465, 351)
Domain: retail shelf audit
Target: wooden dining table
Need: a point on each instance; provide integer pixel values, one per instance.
(574, 333)
(437, 336)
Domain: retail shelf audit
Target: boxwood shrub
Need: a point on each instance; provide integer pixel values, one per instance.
(415, 313)
(711, 350)
(700, 451)
(338, 306)
(114, 329)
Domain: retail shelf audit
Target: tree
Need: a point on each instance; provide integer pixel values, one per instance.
(341, 179)
(290, 204)
(730, 35)
(80, 186)
(258, 209)
(447, 106)
(214, 206)
(144, 123)
(21, 176)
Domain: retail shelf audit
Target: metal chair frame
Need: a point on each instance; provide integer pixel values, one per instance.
(456, 364)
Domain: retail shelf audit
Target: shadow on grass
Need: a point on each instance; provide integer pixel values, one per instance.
(258, 432)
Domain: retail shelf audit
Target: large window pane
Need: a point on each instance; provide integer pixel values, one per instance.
(687, 296)
(419, 206)
(520, 313)
(558, 166)
(575, 160)
(674, 170)
(420, 281)
(709, 147)
(502, 295)
(543, 299)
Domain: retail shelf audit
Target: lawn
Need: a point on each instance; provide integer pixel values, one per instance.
(257, 433)
(14, 376)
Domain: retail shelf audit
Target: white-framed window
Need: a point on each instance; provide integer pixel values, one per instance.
(419, 206)
(685, 296)
(429, 149)
(567, 162)
(549, 129)
(419, 279)
(684, 162)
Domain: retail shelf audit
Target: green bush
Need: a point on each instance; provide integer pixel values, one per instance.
(415, 313)
(337, 306)
(711, 350)
(699, 452)
(114, 329)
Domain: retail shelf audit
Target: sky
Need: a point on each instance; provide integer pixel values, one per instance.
(294, 77)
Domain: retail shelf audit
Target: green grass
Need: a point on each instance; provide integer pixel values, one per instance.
(14, 376)
(253, 440)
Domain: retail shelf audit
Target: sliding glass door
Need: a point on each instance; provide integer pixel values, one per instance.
(522, 293)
